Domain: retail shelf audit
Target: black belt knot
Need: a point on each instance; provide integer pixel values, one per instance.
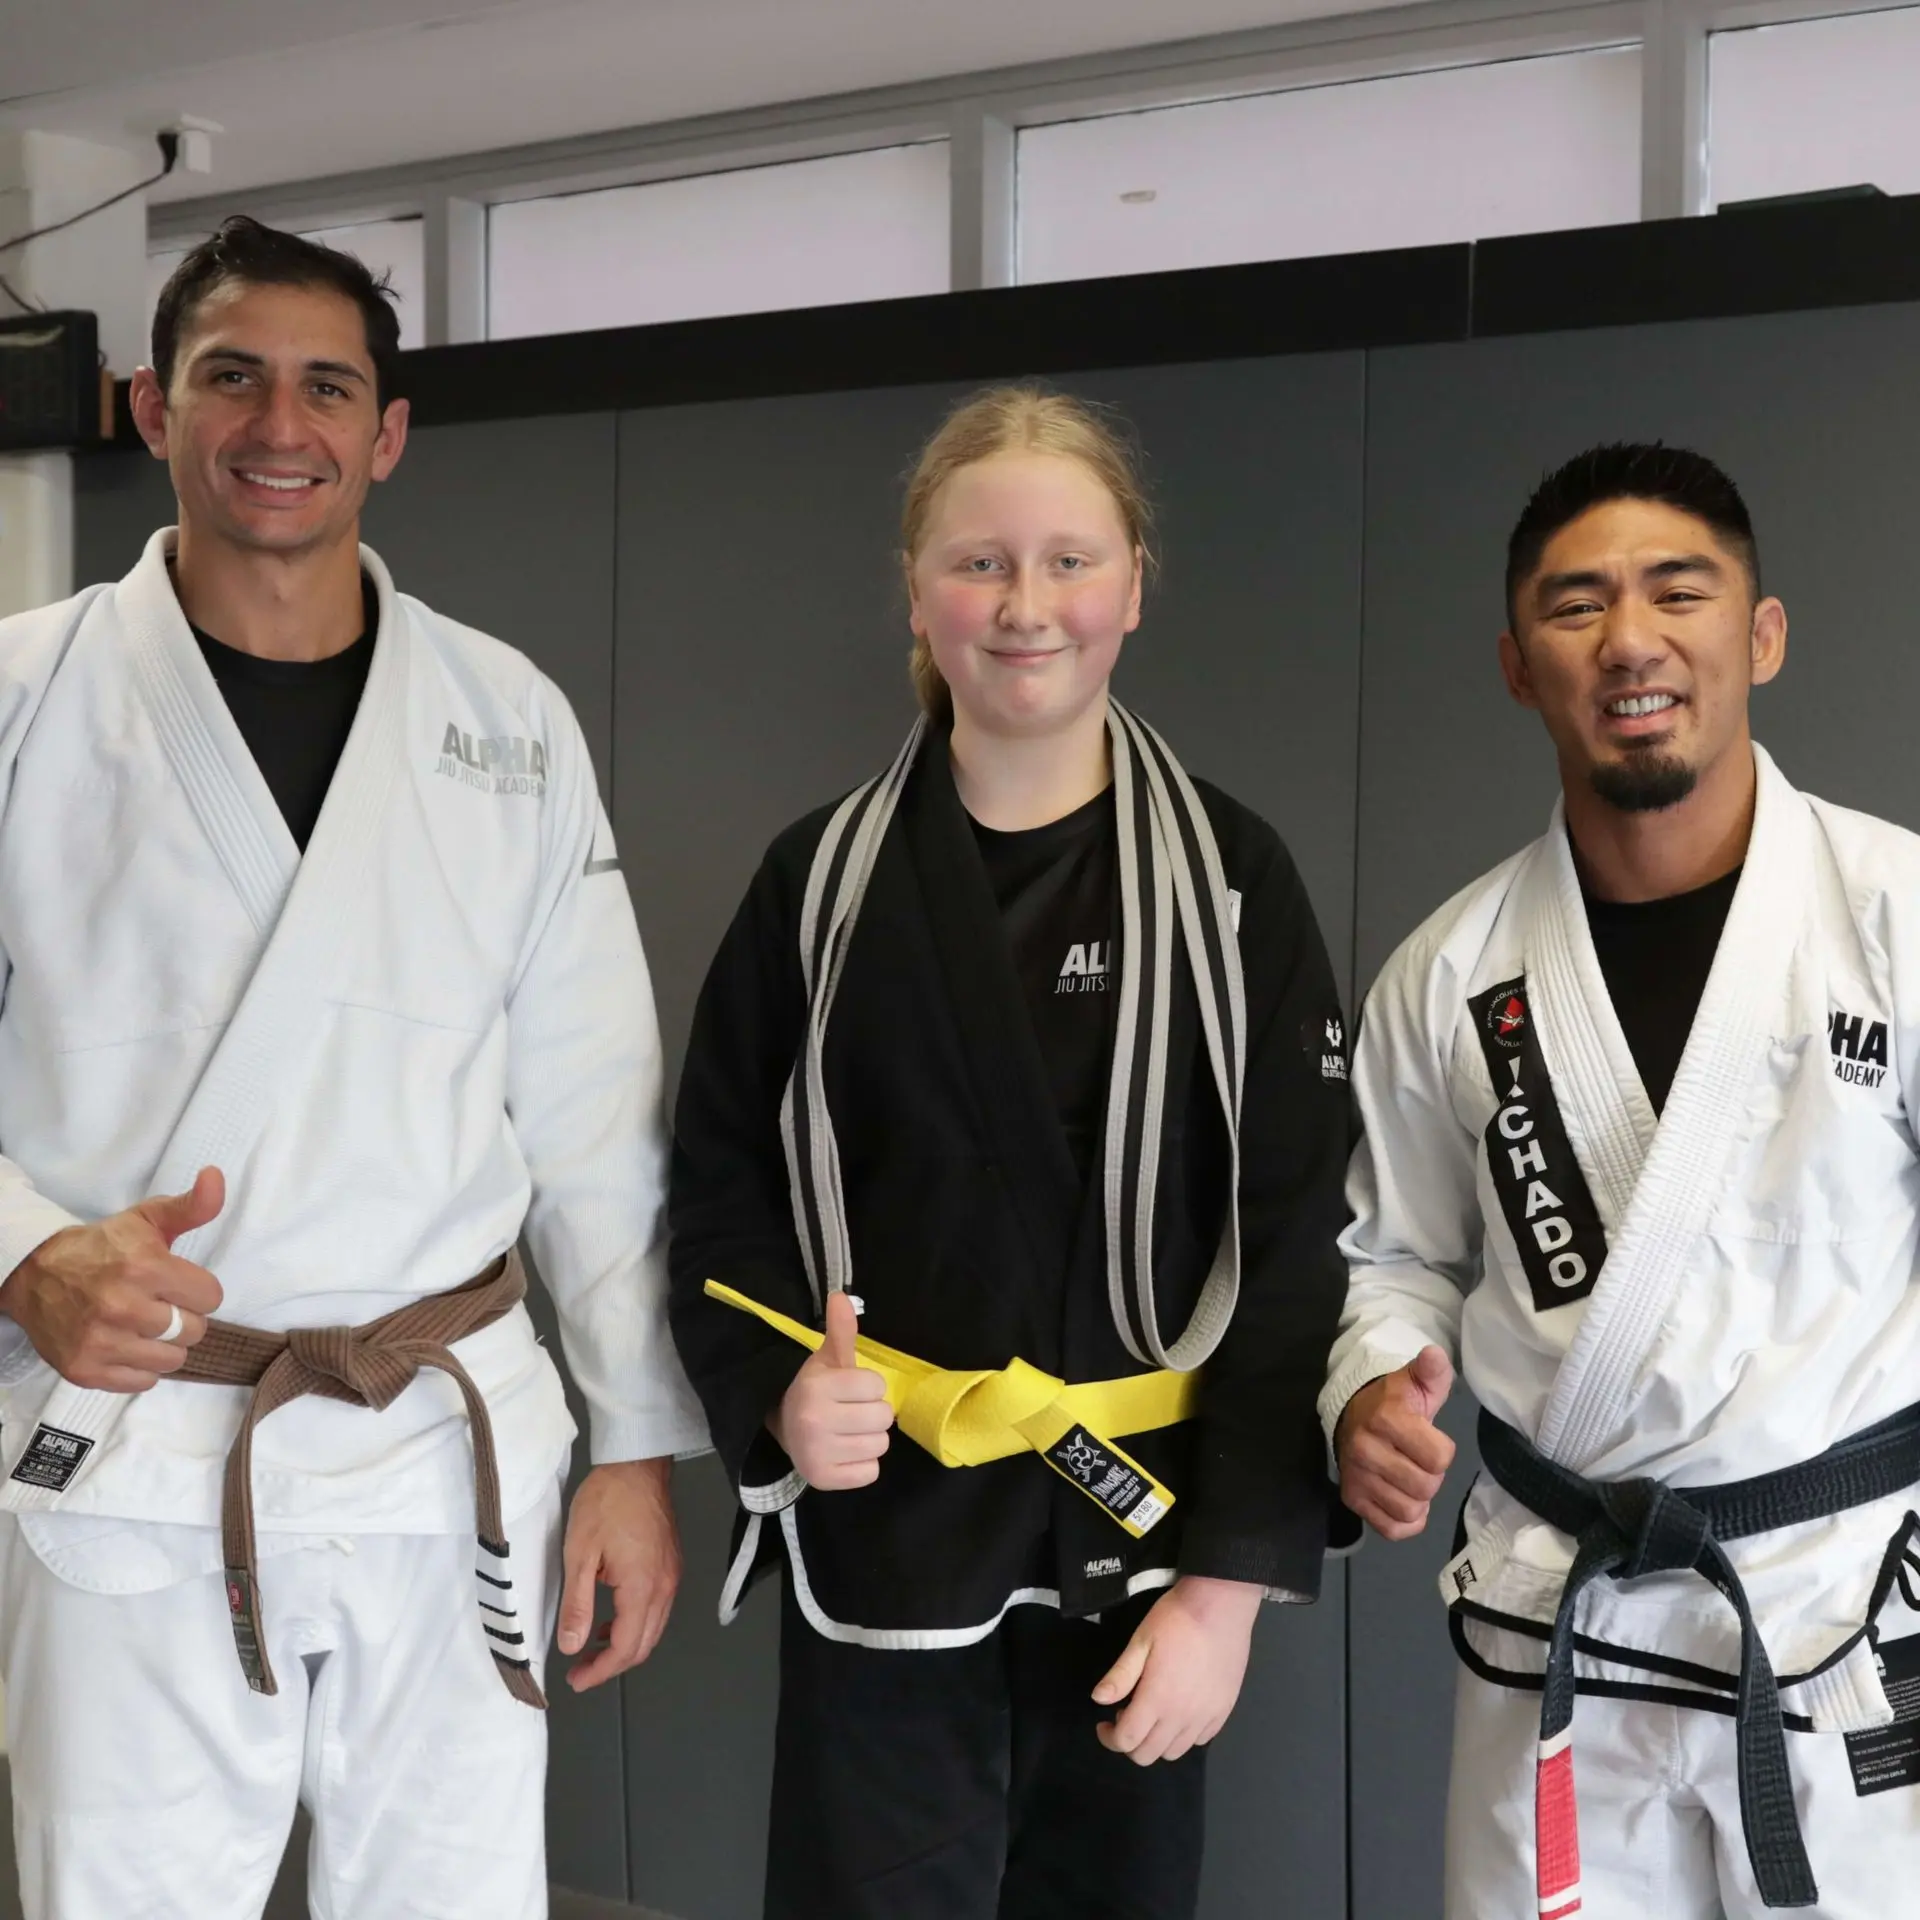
(1659, 1529)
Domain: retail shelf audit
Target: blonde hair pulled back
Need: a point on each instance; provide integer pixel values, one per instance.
(1018, 419)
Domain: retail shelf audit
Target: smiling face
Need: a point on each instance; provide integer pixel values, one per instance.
(1024, 585)
(1637, 639)
(272, 428)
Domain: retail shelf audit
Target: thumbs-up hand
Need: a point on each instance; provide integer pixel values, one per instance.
(833, 1421)
(111, 1305)
(1392, 1457)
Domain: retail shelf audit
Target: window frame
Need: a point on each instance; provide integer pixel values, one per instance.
(978, 115)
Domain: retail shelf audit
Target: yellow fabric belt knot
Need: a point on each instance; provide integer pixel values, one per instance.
(966, 1418)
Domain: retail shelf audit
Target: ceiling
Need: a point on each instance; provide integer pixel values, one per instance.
(307, 89)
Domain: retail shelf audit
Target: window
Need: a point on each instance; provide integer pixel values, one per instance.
(395, 247)
(858, 226)
(1819, 104)
(1517, 147)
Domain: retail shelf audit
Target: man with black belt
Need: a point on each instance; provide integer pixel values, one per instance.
(1640, 1155)
(320, 984)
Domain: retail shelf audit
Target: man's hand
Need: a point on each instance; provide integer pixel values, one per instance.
(620, 1532)
(832, 1422)
(1392, 1456)
(1183, 1668)
(95, 1300)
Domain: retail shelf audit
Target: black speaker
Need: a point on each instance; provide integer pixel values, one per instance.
(49, 381)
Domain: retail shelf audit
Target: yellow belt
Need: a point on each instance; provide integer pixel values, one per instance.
(965, 1419)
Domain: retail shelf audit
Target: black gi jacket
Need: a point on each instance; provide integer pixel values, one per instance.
(974, 1241)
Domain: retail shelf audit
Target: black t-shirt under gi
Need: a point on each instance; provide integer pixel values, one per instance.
(295, 715)
(1058, 889)
(1655, 956)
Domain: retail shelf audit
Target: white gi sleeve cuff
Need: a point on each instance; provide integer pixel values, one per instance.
(639, 1436)
(775, 1496)
(1386, 1348)
(27, 1220)
(17, 1354)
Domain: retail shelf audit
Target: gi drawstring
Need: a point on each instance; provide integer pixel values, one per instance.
(1171, 882)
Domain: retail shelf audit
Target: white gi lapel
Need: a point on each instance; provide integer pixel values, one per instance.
(223, 785)
(1607, 1113)
(301, 906)
(1654, 1237)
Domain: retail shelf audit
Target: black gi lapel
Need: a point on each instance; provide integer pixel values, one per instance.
(1549, 1209)
(1009, 1077)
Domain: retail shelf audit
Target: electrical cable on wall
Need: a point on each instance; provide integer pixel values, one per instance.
(18, 298)
(169, 154)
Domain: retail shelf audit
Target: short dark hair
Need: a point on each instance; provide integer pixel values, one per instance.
(243, 249)
(1631, 470)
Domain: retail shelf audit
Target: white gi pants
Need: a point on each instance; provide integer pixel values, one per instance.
(1660, 1832)
(151, 1783)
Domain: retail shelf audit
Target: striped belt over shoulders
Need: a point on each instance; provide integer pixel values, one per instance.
(1172, 885)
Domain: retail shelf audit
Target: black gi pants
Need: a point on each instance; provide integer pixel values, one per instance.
(968, 1784)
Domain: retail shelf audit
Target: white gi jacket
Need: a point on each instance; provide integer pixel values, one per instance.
(434, 1027)
(1698, 1299)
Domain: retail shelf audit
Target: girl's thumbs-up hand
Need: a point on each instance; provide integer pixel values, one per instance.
(833, 1421)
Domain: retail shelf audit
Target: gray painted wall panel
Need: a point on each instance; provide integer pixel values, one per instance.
(1247, 658)
(760, 670)
(761, 652)
(118, 500)
(508, 526)
(1815, 416)
(1248, 661)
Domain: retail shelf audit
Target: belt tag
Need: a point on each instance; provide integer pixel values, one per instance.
(1883, 1758)
(1110, 1479)
(243, 1607)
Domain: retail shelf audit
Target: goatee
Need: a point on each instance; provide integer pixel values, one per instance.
(1648, 783)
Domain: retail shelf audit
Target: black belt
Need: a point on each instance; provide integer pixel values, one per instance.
(1627, 1528)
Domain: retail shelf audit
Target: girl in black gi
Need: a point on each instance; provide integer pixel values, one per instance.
(1033, 1046)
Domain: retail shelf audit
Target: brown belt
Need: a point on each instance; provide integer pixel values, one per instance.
(367, 1366)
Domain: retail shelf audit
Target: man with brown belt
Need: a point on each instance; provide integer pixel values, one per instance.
(318, 975)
